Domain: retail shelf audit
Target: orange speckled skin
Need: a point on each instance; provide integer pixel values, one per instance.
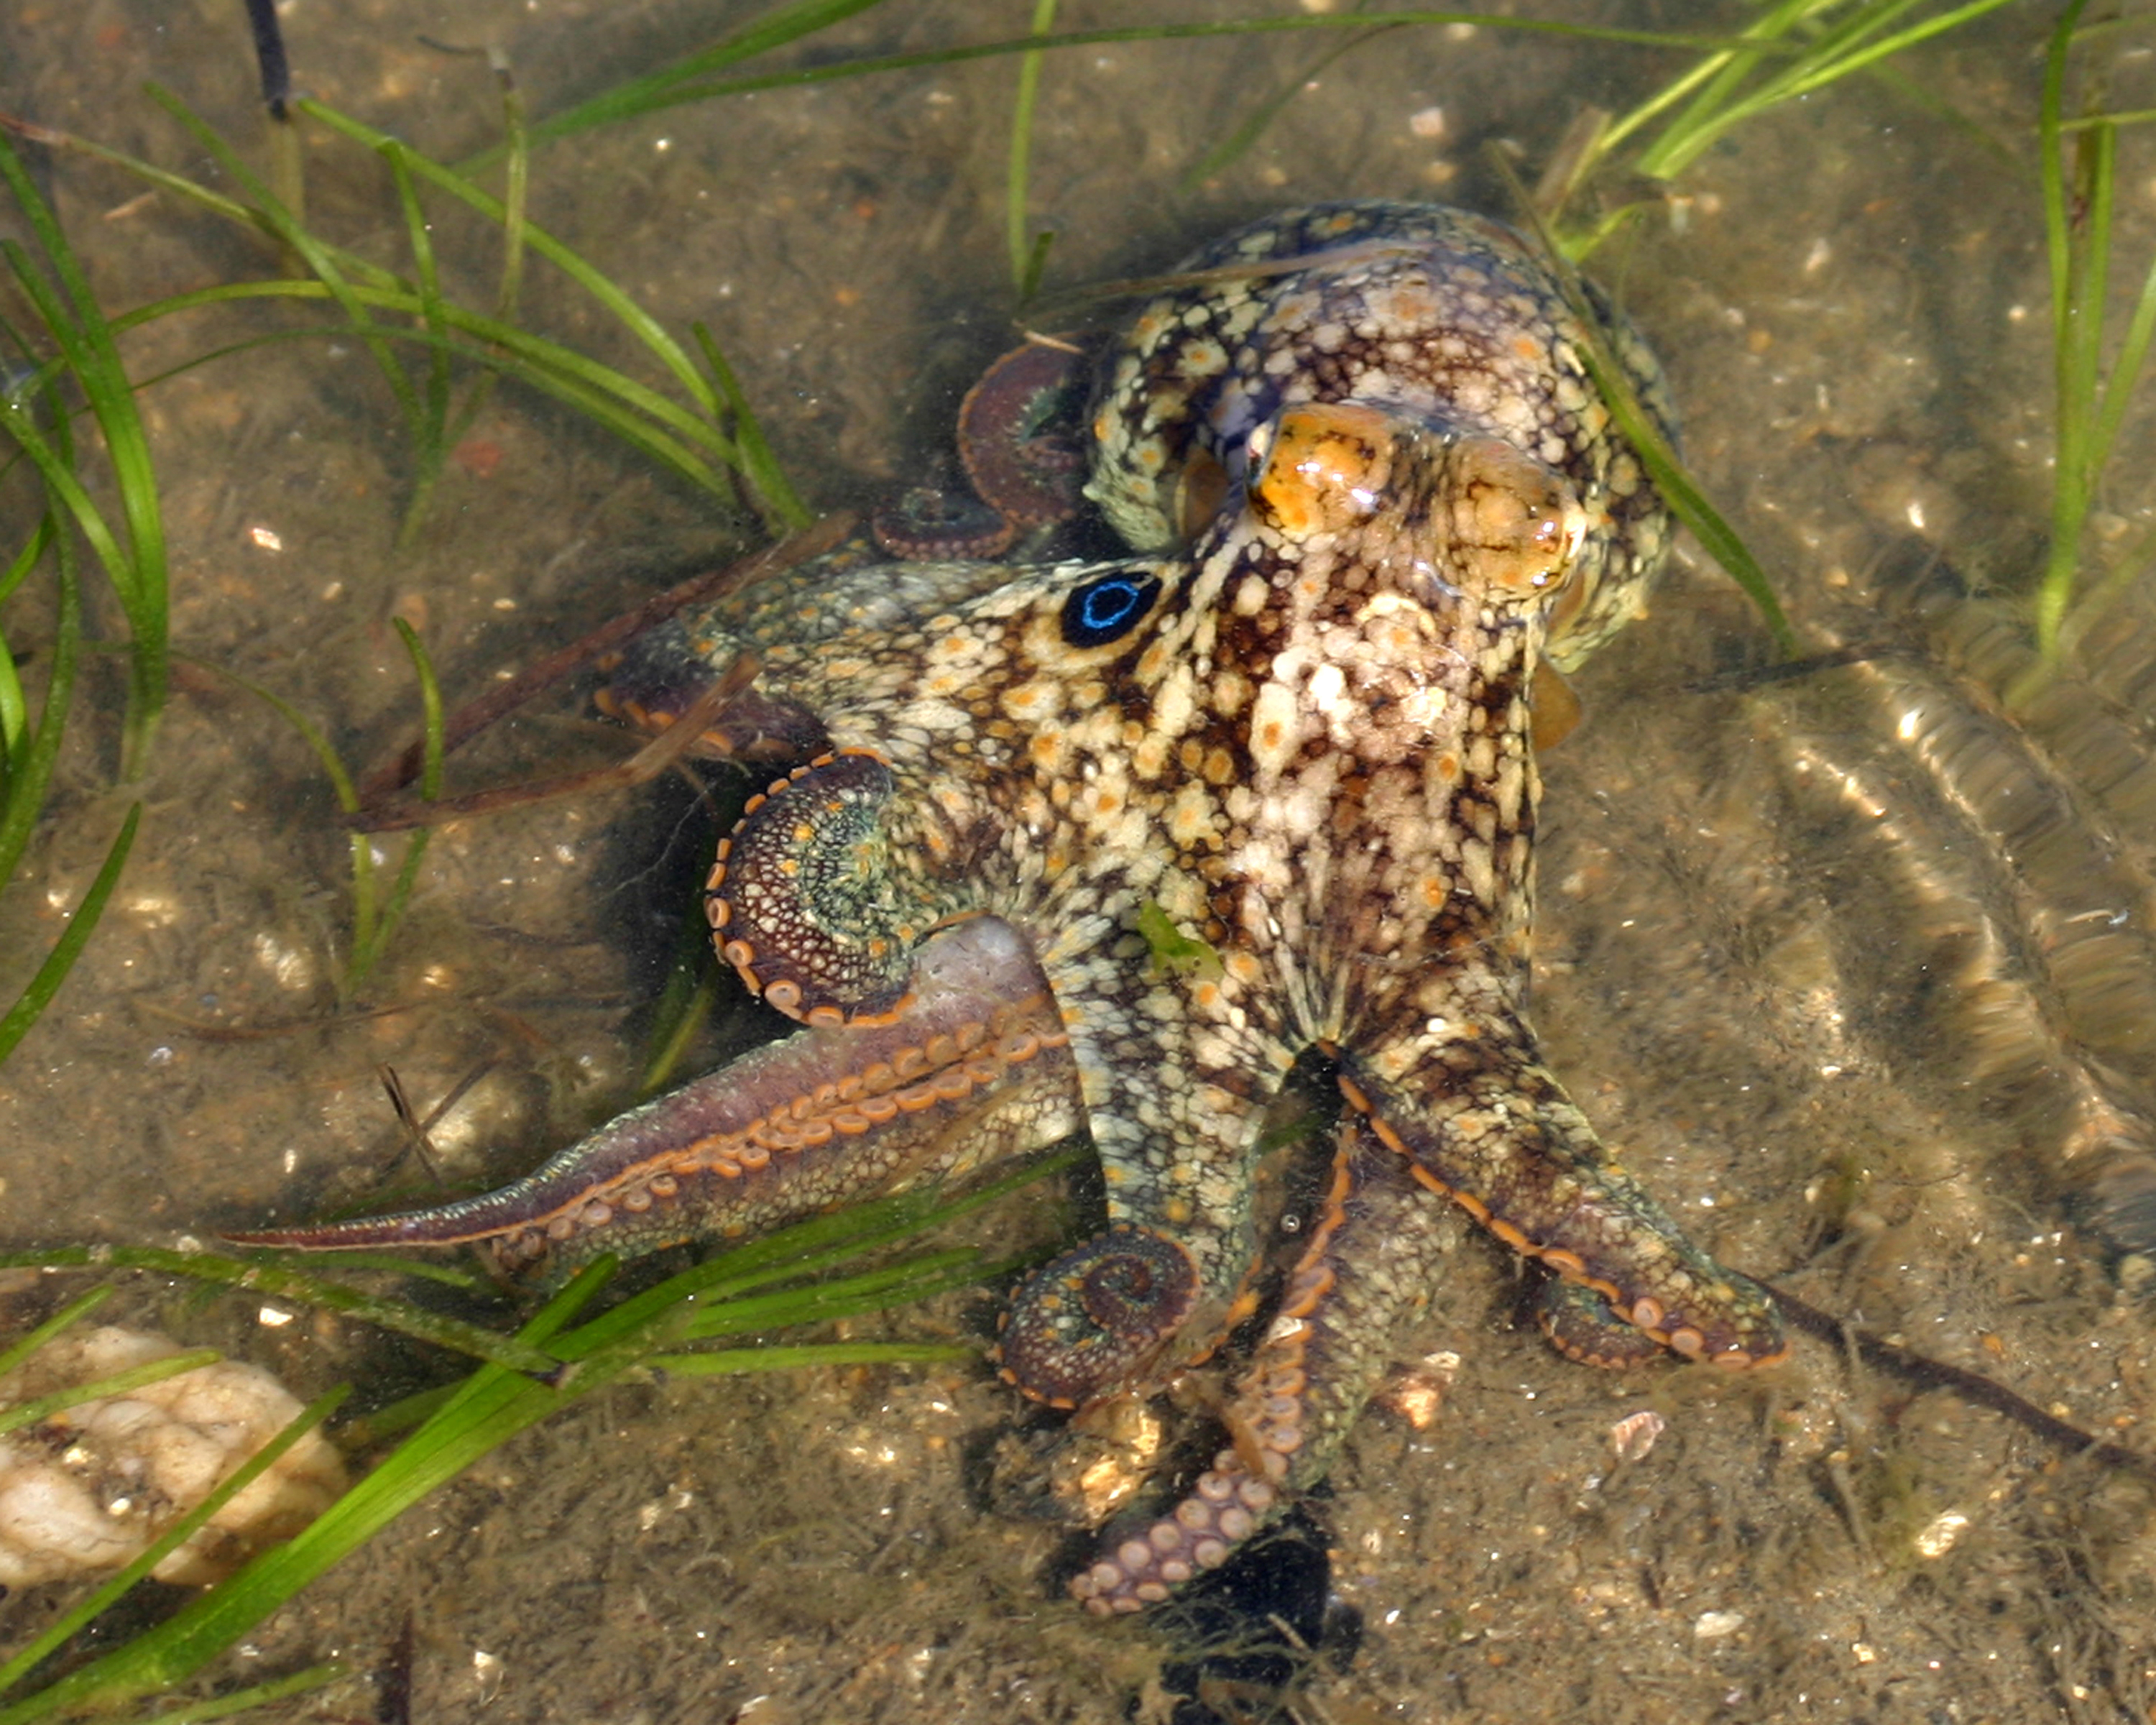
(1304, 743)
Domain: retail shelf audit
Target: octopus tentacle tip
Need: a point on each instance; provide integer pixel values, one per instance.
(1089, 1322)
(1008, 437)
(940, 523)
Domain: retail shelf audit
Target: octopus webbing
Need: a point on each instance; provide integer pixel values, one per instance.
(1303, 743)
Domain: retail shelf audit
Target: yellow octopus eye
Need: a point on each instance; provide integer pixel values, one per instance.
(1516, 527)
(1326, 467)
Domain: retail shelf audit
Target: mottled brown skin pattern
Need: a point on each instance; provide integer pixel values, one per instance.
(1305, 744)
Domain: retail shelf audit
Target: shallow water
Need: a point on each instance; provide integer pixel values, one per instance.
(1781, 967)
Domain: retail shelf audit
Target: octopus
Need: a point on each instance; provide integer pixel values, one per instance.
(1111, 847)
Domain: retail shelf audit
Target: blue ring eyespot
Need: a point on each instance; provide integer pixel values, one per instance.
(1102, 610)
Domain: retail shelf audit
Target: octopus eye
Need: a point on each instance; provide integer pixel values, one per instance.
(1324, 468)
(1102, 610)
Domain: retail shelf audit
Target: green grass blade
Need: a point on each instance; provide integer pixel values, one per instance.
(274, 1275)
(92, 1679)
(333, 764)
(318, 258)
(419, 1269)
(516, 194)
(1018, 181)
(809, 1246)
(515, 198)
(562, 372)
(1580, 247)
(2123, 116)
(1667, 97)
(31, 767)
(155, 1371)
(1835, 41)
(660, 429)
(632, 317)
(2125, 374)
(2058, 251)
(1036, 267)
(430, 705)
(30, 1004)
(430, 429)
(256, 1695)
(1930, 101)
(775, 28)
(491, 1407)
(360, 845)
(2097, 184)
(356, 268)
(77, 1309)
(495, 1403)
(777, 500)
(55, 467)
(2067, 257)
(656, 98)
(15, 731)
(801, 1248)
(14, 721)
(142, 577)
(1686, 501)
(1845, 49)
(684, 1008)
(1728, 72)
(1258, 120)
(188, 191)
(729, 1361)
(365, 956)
(26, 559)
(640, 417)
(1859, 59)
(846, 1296)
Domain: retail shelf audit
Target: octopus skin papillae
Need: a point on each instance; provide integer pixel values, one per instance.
(1303, 738)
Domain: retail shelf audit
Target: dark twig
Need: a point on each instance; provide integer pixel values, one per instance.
(269, 57)
(415, 1134)
(1923, 1372)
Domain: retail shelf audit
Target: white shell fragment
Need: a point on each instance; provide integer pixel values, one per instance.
(1938, 1535)
(89, 1489)
(1633, 1435)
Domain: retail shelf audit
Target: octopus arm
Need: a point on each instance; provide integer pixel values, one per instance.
(977, 1069)
(1480, 1121)
(1364, 1278)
